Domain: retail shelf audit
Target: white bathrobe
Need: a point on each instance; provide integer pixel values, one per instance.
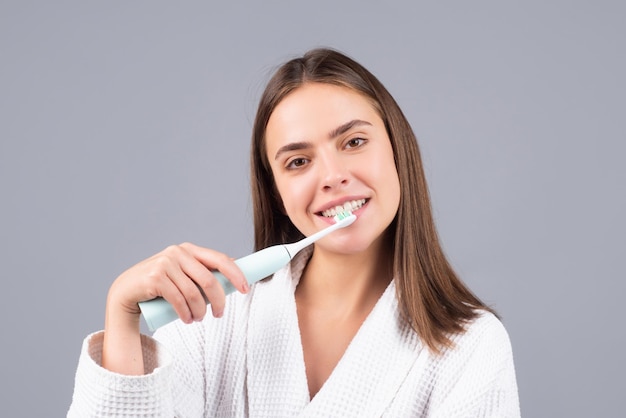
(250, 363)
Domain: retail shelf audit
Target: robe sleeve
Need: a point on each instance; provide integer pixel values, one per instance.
(99, 392)
(181, 379)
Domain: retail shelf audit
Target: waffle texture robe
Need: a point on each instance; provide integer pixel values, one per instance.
(250, 364)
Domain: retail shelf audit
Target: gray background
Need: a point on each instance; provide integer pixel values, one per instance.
(125, 128)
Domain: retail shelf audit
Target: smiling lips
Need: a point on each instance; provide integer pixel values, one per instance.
(349, 206)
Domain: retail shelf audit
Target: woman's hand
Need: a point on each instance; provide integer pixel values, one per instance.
(177, 274)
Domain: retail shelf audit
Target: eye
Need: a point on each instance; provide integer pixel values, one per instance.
(296, 163)
(355, 143)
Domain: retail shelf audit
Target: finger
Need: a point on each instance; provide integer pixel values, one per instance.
(219, 261)
(203, 281)
(171, 292)
(192, 278)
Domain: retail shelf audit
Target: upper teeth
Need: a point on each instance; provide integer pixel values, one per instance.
(346, 207)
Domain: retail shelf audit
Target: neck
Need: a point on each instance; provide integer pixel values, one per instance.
(348, 283)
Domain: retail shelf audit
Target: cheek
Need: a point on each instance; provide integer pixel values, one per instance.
(384, 169)
(385, 173)
(295, 194)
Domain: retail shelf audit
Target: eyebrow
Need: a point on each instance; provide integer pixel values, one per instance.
(341, 129)
(292, 146)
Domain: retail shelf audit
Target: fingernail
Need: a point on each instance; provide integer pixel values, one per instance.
(245, 287)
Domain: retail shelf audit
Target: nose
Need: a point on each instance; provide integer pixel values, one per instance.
(334, 173)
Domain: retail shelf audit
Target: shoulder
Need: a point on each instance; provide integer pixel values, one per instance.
(485, 339)
(477, 373)
(485, 329)
(476, 376)
(483, 349)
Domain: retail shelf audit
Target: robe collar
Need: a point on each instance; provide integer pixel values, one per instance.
(364, 382)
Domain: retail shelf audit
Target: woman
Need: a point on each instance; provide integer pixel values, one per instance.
(370, 321)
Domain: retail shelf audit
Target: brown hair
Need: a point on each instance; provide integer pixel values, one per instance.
(433, 300)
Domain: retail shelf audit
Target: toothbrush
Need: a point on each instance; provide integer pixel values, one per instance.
(256, 266)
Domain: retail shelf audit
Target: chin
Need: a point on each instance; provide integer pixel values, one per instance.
(352, 246)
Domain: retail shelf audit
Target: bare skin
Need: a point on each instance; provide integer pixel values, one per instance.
(328, 147)
(333, 301)
(173, 275)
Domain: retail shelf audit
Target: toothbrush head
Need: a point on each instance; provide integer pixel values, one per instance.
(344, 218)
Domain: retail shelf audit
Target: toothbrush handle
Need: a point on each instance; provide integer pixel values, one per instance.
(256, 266)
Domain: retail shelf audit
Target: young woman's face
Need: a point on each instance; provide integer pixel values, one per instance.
(328, 148)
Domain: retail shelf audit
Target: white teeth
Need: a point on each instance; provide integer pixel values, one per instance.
(349, 206)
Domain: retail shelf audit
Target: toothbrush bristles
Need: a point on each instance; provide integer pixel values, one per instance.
(342, 215)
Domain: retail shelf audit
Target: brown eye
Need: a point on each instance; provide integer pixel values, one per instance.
(355, 142)
(297, 163)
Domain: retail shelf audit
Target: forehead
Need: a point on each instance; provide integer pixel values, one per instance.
(315, 108)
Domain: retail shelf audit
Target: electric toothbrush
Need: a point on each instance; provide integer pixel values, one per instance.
(256, 266)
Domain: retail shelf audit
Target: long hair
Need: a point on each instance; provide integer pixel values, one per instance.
(432, 299)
